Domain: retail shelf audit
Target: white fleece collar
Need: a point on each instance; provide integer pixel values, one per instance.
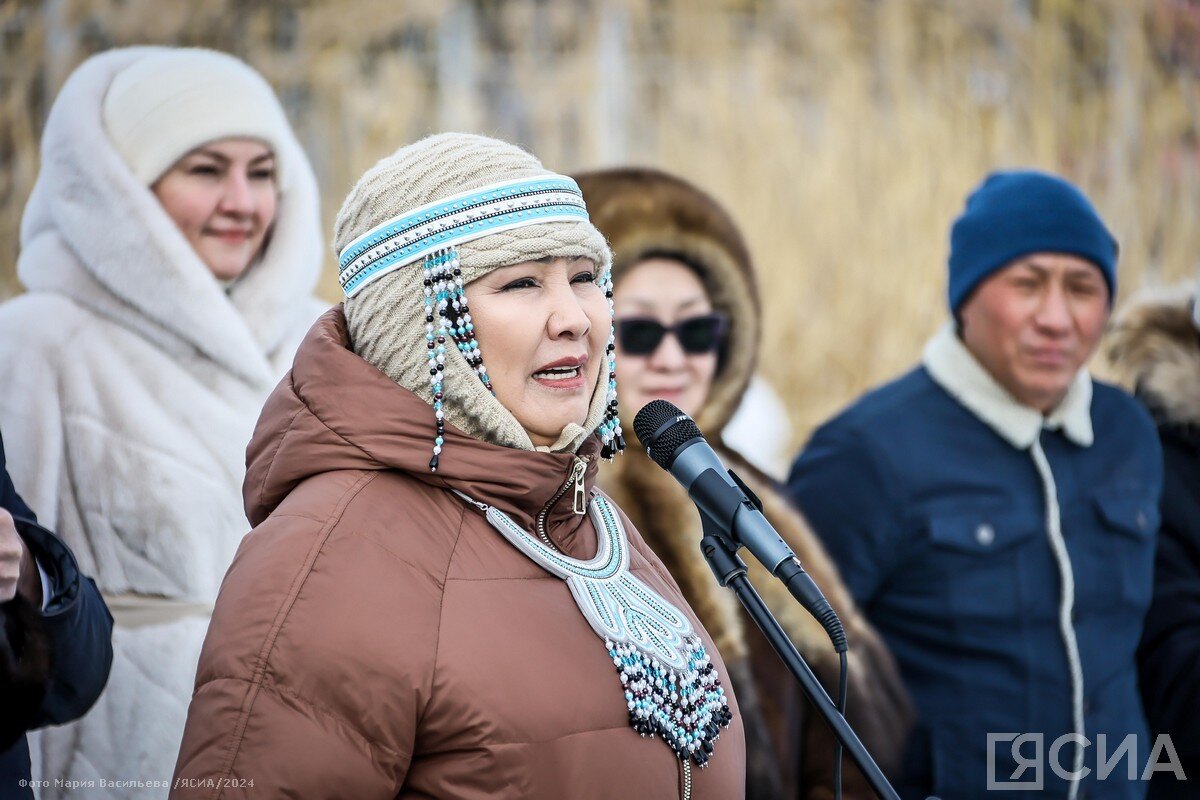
(957, 371)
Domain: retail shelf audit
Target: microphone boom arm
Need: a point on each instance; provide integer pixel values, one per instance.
(730, 570)
(719, 503)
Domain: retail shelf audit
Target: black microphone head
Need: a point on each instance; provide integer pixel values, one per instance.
(662, 428)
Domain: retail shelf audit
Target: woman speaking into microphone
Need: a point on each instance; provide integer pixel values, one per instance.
(435, 600)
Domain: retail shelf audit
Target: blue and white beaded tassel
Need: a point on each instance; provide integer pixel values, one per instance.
(447, 317)
(462, 328)
(686, 708)
(611, 435)
(435, 300)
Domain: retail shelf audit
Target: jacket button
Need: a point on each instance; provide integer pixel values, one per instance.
(1142, 521)
(985, 534)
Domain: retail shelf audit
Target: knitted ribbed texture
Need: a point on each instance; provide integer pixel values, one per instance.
(172, 100)
(386, 319)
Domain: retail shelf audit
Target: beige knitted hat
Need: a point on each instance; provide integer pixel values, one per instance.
(384, 312)
(173, 100)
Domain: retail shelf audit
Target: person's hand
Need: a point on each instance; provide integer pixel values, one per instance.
(18, 570)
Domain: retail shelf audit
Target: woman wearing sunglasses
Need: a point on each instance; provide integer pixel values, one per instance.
(688, 329)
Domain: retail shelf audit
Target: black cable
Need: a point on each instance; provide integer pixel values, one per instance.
(843, 681)
(803, 589)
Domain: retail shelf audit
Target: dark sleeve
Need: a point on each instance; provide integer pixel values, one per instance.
(840, 488)
(9, 499)
(1170, 648)
(77, 625)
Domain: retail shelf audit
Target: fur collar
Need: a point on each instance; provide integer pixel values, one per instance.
(955, 369)
(1154, 348)
(92, 232)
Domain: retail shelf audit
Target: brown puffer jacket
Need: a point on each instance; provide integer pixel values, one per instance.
(375, 637)
(643, 213)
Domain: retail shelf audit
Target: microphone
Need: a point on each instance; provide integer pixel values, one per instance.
(674, 442)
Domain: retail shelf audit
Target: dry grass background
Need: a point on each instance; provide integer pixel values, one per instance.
(842, 134)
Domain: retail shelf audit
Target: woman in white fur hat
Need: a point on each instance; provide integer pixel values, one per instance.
(169, 250)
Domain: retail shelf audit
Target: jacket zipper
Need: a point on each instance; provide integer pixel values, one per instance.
(574, 478)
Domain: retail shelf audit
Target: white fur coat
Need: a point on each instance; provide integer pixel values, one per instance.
(132, 383)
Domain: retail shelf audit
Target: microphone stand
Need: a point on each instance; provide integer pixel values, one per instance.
(720, 550)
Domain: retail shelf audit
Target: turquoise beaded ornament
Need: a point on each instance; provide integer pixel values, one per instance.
(445, 305)
(672, 689)
(612, 438)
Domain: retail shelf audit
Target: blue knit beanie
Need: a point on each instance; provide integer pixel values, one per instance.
(1013, 214)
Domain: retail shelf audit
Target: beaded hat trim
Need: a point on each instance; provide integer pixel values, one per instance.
(454, 220)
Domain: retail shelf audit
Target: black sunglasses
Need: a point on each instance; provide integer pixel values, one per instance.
(641, 336)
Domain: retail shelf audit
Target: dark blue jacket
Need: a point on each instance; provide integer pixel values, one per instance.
(76, 625)
(940, 528)
(1170, 653)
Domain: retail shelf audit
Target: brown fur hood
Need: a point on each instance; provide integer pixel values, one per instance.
(1154, 348)
(645, 212)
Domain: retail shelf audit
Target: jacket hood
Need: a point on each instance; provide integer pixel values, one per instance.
(1154, 347)
(93, 232)
(645, 212)
(335, 411)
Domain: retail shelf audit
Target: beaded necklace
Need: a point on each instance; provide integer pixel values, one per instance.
(672, 689)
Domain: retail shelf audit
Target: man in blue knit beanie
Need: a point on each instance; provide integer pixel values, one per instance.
(994, 512)
(1013, 214)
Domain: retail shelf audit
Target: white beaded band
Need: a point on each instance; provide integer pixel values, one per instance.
(453, 220)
